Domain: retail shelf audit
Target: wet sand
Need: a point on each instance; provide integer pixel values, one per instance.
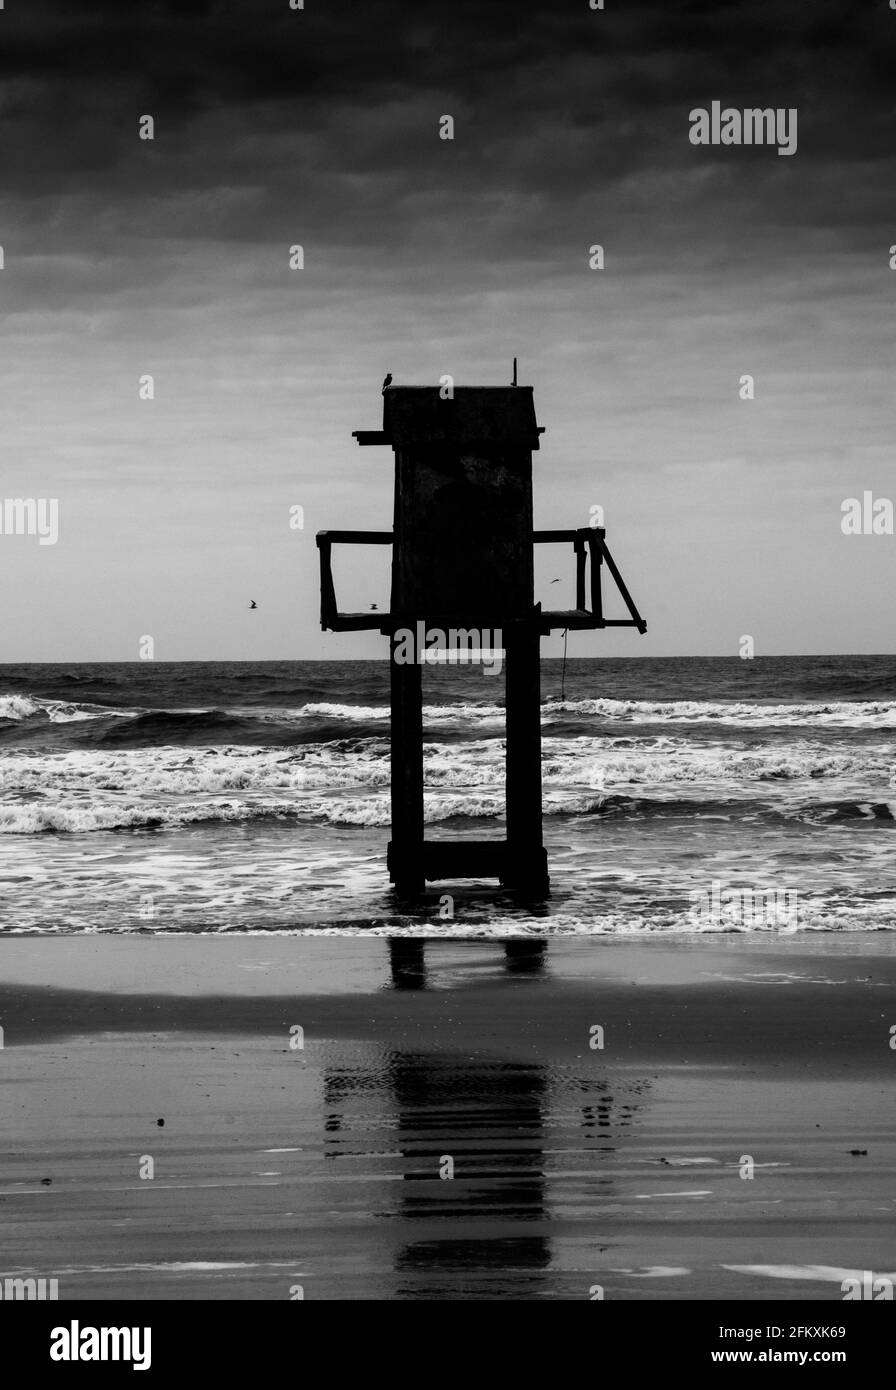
(573, 1166)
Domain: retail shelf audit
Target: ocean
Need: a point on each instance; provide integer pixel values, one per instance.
(681, 795)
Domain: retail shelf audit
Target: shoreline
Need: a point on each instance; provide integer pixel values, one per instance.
(574, 1165)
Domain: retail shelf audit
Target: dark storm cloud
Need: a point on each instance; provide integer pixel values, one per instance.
(359, 87)
(274, 125)
(321, 126)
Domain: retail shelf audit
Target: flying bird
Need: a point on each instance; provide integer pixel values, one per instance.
(252, 603)
(388, 381)
(373, 608)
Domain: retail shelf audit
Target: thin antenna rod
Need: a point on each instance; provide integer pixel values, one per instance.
(514, 371)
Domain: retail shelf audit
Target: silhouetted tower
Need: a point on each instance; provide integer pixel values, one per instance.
(462, 563)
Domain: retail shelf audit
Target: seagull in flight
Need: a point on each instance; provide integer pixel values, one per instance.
(252, 603)
(388, 381)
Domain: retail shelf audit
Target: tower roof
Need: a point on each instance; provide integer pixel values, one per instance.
(491, 415)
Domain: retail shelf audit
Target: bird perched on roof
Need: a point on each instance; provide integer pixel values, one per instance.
(388, 381)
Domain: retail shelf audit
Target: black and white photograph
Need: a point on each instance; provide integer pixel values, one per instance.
(447, 675)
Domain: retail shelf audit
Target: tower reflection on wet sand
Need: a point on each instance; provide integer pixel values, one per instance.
(407, 959)
(472, 1215)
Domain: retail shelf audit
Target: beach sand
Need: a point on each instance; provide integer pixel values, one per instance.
(575, 1166)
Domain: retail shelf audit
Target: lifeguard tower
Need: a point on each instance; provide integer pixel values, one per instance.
(463, 559)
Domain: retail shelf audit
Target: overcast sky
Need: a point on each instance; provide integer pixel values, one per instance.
(423, 257)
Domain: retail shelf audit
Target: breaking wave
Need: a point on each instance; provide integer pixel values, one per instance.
(77, 816)
(24, 715)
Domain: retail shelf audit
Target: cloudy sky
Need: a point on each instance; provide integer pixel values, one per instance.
(423, 256)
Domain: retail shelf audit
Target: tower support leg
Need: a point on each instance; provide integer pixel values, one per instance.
(527, 864)
(405, 857)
